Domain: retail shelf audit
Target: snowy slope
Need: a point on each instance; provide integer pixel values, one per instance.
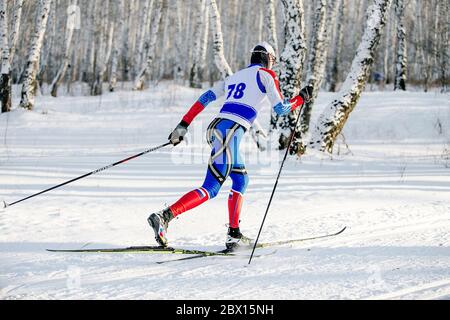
(391, 188)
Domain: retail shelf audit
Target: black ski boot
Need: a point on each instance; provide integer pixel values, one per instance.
(160, 222)
(236, 239)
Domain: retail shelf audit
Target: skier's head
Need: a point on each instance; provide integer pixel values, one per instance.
(264, 55)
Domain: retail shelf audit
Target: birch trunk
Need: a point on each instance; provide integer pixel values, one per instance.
(29, 83)
(216, 29)
(178, 72)
(316, 68)
(163, 43)
(291, 64)
(118, 40)
(270, 24)
(106, 32)
(332, 121)
(17, 18)
(144, 73)
(387, 48)
(204, 45)
(195, 78)
(428, 47)
(70, 27)
(325, 17)
(400, 65)
(338, 40)
(140, 43)
(445, 47)
(5, 67)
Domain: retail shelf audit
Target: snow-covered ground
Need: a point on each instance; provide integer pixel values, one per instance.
(391, 188)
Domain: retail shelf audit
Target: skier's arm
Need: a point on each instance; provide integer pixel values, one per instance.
(281, 105)
(205, 99)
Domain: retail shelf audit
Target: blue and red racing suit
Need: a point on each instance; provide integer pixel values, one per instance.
(246, 91)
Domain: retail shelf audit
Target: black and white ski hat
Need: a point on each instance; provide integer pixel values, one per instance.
(263, 53)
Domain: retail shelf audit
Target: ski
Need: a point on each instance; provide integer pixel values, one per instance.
(228, 253)
(195, 254)
(259, 246)
(224, 252)
(146, 249)
(282, 242)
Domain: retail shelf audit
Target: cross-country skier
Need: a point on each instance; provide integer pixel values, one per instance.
(245, 93)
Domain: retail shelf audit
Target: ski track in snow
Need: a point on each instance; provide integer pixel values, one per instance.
(391, 189)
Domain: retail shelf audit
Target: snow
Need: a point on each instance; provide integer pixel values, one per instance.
(391, 189)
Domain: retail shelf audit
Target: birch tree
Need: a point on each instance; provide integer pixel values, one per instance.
(178, 71)
(291, 64)
(201, 28)
(316, 68)
(337, 47)
(105, 38)
(400, 65)
(216, 30)
(270, 24)
(5, 74)
(444, 56)
(333, 119)
(145, 71)
(204, 44)
(72, 12)
(140, 42)
(117, 42)
(30, 83)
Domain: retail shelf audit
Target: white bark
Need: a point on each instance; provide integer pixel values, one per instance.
(270, 24)
(70, 27)
(178, 73)
(400, 65)
(118, 40)
(333, 119)
(201, 27)
(14, 35)
(337, 48)
(4, 46)
(216, 29)
(316, 58)
(325, 15)
(5, 66)
(32, 65)
(204, 45)
(291, 64)
(427, 42)
(445, 47)
(106, 34)
(164, 43)
(144, 73)
(140, 43)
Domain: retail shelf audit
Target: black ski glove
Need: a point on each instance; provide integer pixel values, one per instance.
(306, 93)
(178, 133)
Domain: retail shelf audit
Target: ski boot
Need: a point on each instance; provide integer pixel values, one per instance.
(160, 222)
(236, 239)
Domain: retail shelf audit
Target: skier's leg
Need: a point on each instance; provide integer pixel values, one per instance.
(240, 181)
(196, 197)
(219, 133)
(235, 200)
(236, 197)
(160, 221)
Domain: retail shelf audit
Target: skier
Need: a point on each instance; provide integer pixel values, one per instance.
(246, 90)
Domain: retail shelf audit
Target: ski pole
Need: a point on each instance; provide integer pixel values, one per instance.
(276, 182)
(87, 174)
